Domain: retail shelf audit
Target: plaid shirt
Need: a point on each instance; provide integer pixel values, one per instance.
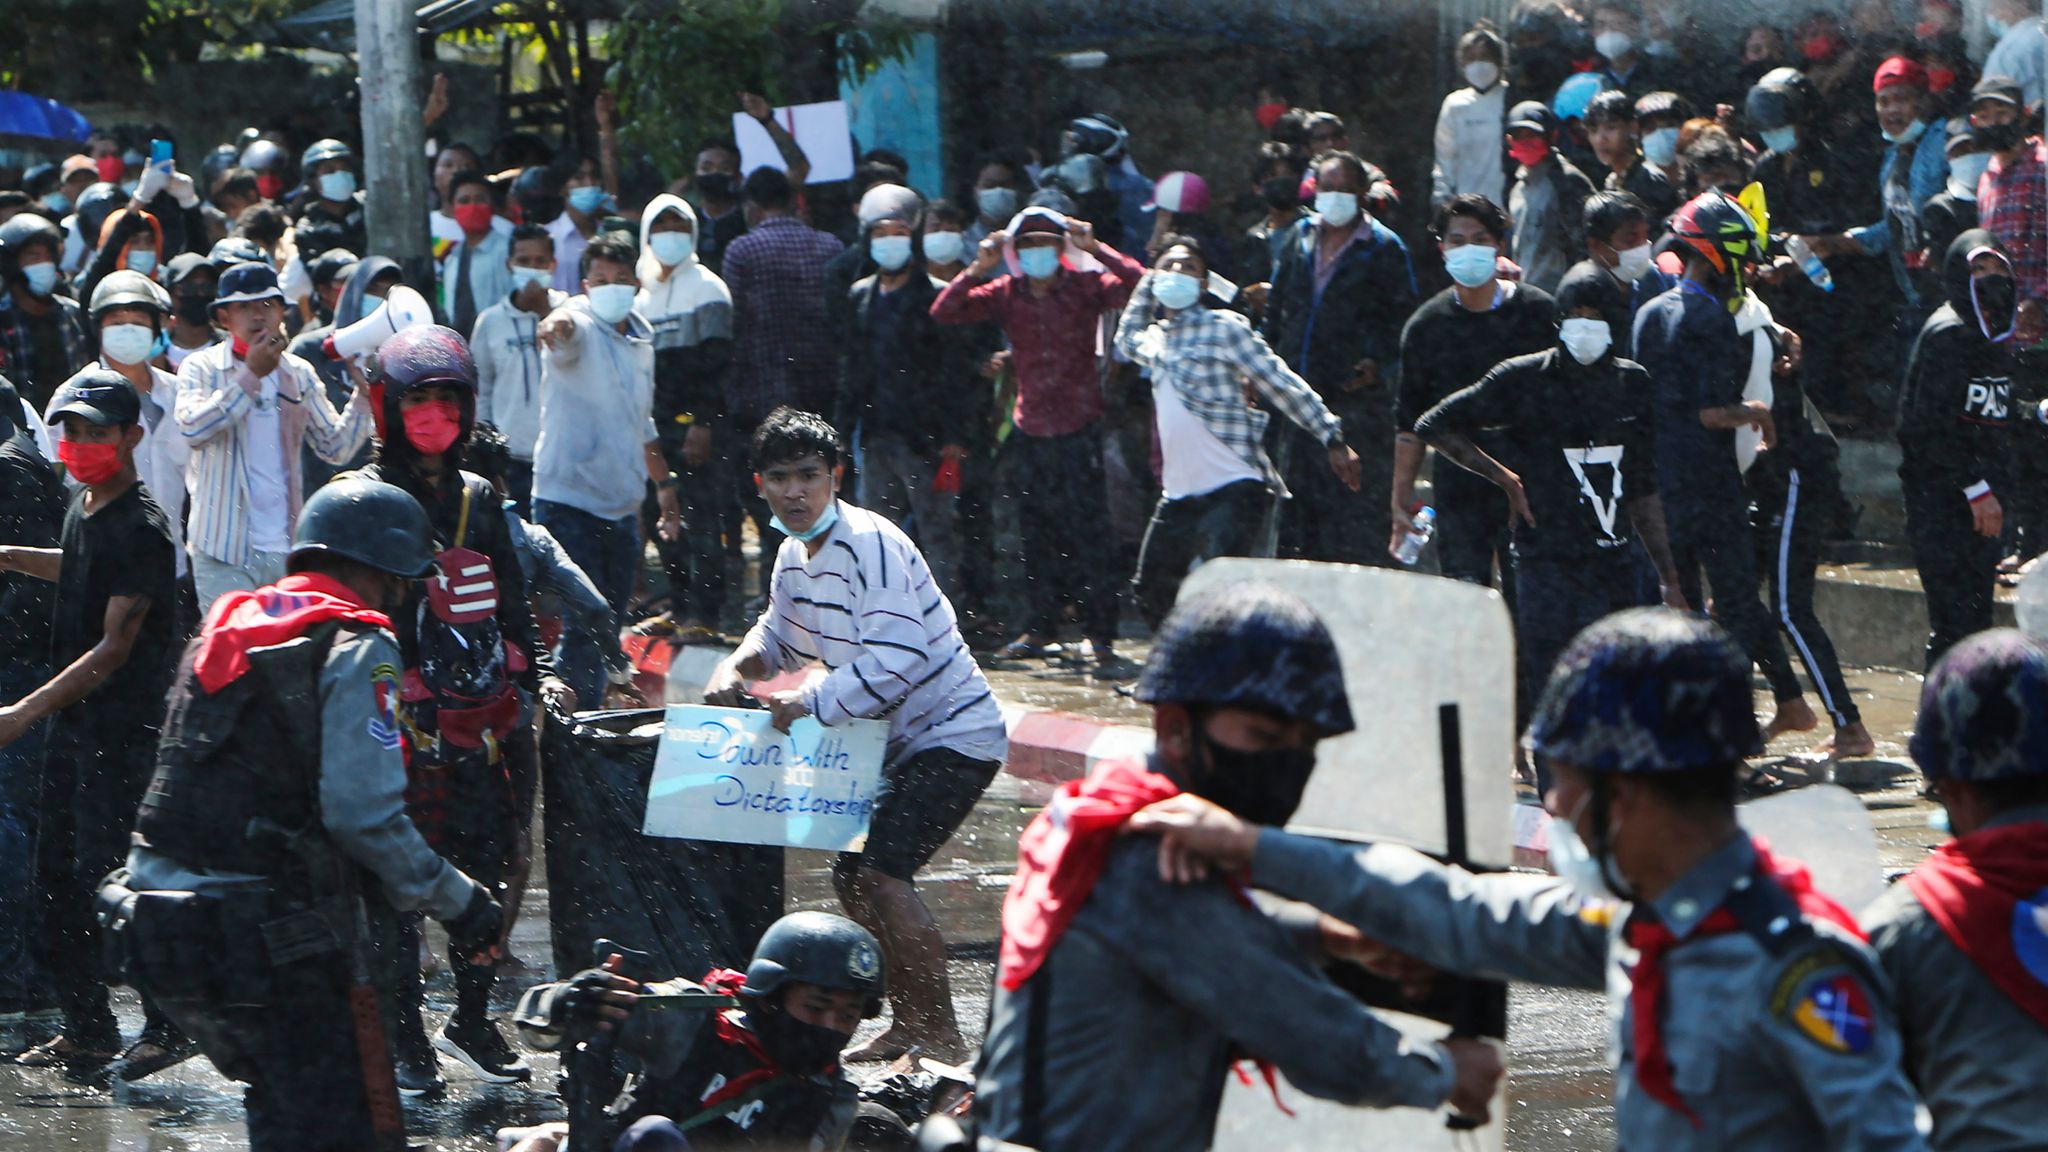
(1206, 355)
(2012, 203)
(783, 352)
(18, 349)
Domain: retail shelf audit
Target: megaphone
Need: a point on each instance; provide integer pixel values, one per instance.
(402, 308)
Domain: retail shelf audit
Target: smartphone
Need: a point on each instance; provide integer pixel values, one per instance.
(160, 154)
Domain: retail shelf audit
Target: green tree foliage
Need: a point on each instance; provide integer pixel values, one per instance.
(90, 48)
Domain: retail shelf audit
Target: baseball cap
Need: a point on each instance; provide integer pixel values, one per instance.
(1898, 70)
(330, 264)
(76, 163)
(1532, 115)
(1180, 192)
(103, 397)
(245, 282)
(2003, 89)
(183, 265)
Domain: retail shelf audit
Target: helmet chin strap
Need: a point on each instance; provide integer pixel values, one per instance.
(1600, 844)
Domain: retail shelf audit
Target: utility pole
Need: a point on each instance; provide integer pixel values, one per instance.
(394, 137)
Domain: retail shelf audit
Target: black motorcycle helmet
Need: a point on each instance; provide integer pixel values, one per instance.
(95, 204)
(1782, 97)
(817, 948)
(367, 521)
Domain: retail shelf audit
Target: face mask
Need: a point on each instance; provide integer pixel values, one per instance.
(90, 463)
(1997, 27)
(1998, 137)
(718, 186)
(1964, 172)
(1587, 340)
(826, 520)
(1482, 74)
(127, 343)
(195, 310)
(944, 247)
(524, 278)
(1338, 209)
(42, 278)
(1911, 133)
(1821, 49)
(1780, 139)
(1994, 300)
(587, 199)
(671, 248)
(612, 303)
(142, 260)
(1280, 192)
(473, 219)
(1633, 263)
(339, 186)
(996, 203)
(890, 252)
(1660, 147)
(269, 187)
(1529, 152)
(1472, 264)
(1262, 787)
(110, 168)
(1268, 115)
(57, 202)
(1176, 290)
(798, 1047)
(1613, 45)
(1038, 263)
(433, 427)
(1573, 862)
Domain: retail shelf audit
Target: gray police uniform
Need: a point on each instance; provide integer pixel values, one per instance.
(1981, 1065)
(1124, 1037)
(1772, 1045)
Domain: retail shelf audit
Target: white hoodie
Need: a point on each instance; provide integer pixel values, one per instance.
(686, 303)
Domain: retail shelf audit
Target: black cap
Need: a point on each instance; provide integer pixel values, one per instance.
(101, 396)
(245, 282)
(182, 266)
(1532, 115)
(1961, 133)
(2003, 89)
(330, 264)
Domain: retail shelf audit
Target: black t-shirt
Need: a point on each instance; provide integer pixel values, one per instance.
(1579, 437)
(1446, 348)
(123, 549)
(31, 509)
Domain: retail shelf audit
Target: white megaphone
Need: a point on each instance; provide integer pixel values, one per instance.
(402, 308)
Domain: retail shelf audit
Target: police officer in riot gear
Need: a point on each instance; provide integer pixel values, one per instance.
(740, 1060)
(277, 795)
(1749, 1012)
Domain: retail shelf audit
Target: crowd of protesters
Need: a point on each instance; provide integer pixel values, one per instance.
(1677, 266)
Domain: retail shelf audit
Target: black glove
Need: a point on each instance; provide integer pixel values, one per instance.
(479, 925)
(578, 1005)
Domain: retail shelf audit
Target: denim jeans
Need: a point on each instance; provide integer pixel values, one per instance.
(896, 483)
(608, 551)
(20, 773)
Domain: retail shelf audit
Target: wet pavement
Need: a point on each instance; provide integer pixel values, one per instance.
(1558, 1081)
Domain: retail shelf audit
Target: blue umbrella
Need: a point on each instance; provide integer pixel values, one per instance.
(39, 118)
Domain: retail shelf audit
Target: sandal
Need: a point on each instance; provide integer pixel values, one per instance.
(59, 1051)
(150, 1055)
(1761, 782)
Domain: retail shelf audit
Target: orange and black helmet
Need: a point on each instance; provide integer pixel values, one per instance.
(1715, 226)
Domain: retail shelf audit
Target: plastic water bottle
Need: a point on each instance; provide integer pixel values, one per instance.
(1418, 536)
(1810, 264)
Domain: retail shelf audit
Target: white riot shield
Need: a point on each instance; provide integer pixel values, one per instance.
(1826, 828)
(1429, 665)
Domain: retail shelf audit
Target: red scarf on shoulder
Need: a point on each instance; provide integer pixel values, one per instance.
(243, 621)
(1989, 893)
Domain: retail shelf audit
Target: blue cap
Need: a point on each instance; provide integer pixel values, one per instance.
(247, 281)
(1249, 646)
(1984, 710)
(1644, 691)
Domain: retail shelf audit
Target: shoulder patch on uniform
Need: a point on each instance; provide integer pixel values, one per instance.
(1598, 913)
(1822, 997)
(383, 724)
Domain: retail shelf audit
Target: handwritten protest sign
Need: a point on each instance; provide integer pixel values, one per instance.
(726, 774)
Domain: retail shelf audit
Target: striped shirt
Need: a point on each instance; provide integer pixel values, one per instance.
(866, 608)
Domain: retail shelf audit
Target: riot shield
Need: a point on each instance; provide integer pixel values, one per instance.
(1429, 665)
(1826, 828)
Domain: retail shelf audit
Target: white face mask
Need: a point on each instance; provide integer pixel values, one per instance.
(127, 343)
(1587, 340)
(1338, 209)
(612, 303)
(525, 277)
(1634, 262)
(1660, 146)
(1573, 862)
(1482, 74)
(1964, 171)
(1613, 45)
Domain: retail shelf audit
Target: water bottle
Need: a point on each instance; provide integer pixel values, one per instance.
(1418, 536)
(1810, 264)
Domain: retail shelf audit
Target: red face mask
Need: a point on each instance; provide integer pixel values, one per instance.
(473, 219)
(1940, 79)
(1529, 153)
(90, 463)
(433, 427)
(269, 187)
(110, 168)
(1821, 49)
(1269, 115)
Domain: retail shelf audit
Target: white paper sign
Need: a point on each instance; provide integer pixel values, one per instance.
(820, 129)
(726, 774)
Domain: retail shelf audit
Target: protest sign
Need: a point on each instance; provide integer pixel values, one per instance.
(726, 774)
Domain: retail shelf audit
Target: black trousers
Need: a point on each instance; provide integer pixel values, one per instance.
(1958, 568)
(1185, 533)
(1556, 600)
(1325, 520)
(1472, 531)
(1716, 541)
(695, 563)
(1791, 530)
(1069, 548)
(748, 503)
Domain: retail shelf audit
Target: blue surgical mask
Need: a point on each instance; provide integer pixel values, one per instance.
(1660, 147)
(57, 202)
(997, 203)
(612, 303)
(588, 199)
(127, 343)
(1911, 133)
(1176, 290)
(1573, 862)
(890, 252)
(42, 278)
(1780, 139)
(525, 277)
(1338, 209)
(142, 260)
(1472, 264)
(944, 247)
(671, 248)
(1038, 263)
(337, 186)
(1964, 172)
(826, 520)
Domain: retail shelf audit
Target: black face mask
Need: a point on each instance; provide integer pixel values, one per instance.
(1280, 192)
(719, 186)
(1262, 787)
(1996, 302)
(195, 310)
(1999, 137)
(799, 1049)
